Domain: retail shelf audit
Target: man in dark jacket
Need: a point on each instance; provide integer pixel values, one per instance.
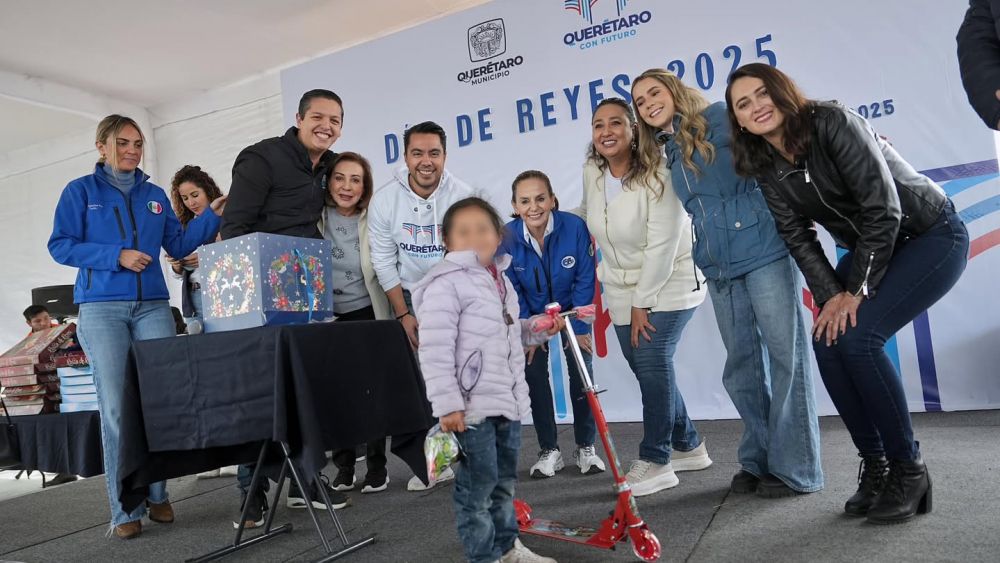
(979, 58)
(279, 184)
(279, 187)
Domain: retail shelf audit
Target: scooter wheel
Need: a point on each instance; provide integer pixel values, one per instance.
(646, 546)
(523, 512)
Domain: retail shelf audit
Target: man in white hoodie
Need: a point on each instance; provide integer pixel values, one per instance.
(404, 225)
(404, 218)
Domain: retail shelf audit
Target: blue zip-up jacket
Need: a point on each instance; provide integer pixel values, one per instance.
(734, 230)
(95, 221)
(565, 275)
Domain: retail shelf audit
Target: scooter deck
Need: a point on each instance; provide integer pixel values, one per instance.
(565, 532)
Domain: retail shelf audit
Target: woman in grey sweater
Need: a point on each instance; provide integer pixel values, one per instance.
(357, 294)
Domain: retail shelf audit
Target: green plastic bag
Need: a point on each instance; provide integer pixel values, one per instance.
(441, 450)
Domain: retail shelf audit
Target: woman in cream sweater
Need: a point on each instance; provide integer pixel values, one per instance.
(650, 284)
(357, 294)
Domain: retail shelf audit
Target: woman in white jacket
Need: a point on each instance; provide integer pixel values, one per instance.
(650, 285)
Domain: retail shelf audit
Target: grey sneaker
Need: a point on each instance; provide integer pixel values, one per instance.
(521, 554)
(587, 460)
(647, 478)
(415, 484)
(549, 461)
(691, 461)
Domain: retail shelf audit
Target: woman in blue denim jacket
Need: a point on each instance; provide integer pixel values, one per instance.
(753, 282)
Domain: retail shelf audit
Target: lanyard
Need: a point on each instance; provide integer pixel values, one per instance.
(502, 290)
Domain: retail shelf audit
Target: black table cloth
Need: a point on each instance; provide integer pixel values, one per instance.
(197, 402)
(61, 443)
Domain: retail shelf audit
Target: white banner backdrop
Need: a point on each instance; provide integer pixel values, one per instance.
(514, 83)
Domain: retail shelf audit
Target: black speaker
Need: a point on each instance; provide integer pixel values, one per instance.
(58, 299)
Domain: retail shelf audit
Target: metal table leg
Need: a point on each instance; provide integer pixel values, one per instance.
(330, 553)
(238, 542)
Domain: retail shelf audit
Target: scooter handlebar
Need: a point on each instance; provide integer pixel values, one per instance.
(541, 323)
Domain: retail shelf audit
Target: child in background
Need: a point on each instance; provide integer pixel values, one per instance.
(469, 317)
(192, 191)
(38, 318)
(552, 261)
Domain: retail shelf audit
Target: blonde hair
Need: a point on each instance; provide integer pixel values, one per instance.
(107, 133)
(643, 166)
(693, 128)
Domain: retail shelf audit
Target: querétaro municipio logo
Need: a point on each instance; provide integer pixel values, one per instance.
(487, 40)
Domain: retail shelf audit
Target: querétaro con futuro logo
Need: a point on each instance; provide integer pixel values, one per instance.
(622, 23)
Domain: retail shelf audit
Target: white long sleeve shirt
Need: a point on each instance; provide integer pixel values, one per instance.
(405, 229)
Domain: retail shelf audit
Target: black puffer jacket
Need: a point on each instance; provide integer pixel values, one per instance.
(979, 58)
(859, 189)
(276, 190)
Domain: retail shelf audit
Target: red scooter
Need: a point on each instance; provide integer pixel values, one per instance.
(625, 521)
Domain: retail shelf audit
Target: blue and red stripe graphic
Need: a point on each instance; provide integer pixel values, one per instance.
(955, 180)
(582, 7)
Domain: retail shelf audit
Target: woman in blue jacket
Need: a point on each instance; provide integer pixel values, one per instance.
(553, 261)
(111, 225)
(753, 282)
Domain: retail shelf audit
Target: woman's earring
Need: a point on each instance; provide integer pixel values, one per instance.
(743, 129)
(634, 145)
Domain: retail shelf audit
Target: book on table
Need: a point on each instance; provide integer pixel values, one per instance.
(78, 407)
(78, 389)
(34, 379)
(81, 398)
(35, 406)
(74, 380)
(28, 369)
(70, 358)
(70, 371)
(38, 347)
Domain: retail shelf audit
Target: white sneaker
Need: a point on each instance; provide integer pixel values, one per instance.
(549, 461)
(587, 461)
(647, 478)
(691, 461)
(210, 474)
(415, 484)
(521, 554)
(229, 471)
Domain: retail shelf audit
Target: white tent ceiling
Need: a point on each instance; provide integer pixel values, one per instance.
(63, 63)
(28, 124)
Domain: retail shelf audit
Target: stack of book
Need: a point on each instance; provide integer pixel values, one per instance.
(28, 376)
(76, 380)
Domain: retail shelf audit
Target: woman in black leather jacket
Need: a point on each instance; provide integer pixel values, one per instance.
(906, 247)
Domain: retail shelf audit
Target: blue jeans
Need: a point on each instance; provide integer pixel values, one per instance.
(767, 373)
(484, 488)
(106, 331)
(665, 422)
(244, 475)
(859, 376)
(195, 323)
(542, 412)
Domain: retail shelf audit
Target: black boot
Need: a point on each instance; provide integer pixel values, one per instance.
(907, 492)
(772, 487)
(871, 478)
(744, 482)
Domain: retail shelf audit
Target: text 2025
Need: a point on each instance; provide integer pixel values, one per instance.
(704, 66)
(875, 110)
